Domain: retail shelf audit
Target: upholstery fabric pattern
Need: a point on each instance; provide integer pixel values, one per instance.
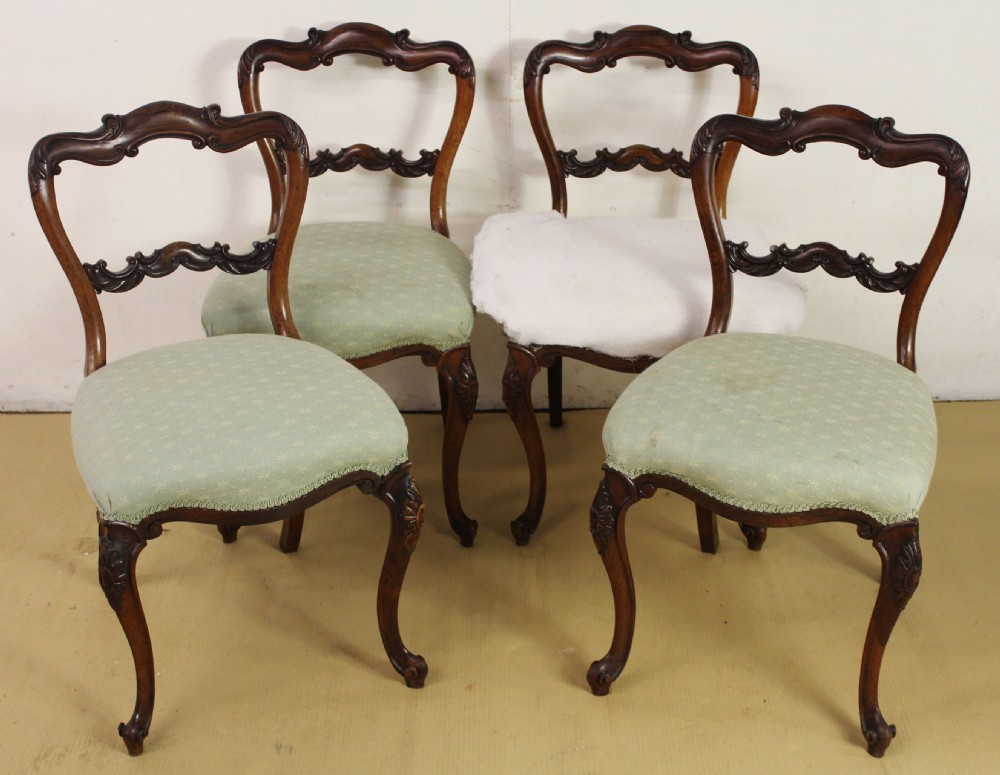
(779, 424)
(358, 288)
(622, 286)
(234, 423)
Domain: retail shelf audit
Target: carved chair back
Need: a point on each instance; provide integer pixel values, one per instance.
(394, 49)
(876, 139)
(120, 137)
(605, 50)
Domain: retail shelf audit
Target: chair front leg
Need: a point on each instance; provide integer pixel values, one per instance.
(522, 366)
(118, 550)
(607, 525)
(460, 391)
(406, 515)
(899, 547)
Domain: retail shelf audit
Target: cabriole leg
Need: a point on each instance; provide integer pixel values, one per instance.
(119, 548)
(406, 511)
(522, 366)
(899, 547)
(457, 378)
(607, 525)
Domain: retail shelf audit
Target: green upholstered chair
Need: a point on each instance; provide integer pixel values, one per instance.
(372, 292)
(615, 292)
(777, 431)
(230, 431)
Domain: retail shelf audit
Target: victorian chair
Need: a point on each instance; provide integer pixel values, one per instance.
(613, 292)
(230, 431)
(372, 292)
(781, 431)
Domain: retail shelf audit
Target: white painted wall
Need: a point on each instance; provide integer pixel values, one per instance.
(929, 66)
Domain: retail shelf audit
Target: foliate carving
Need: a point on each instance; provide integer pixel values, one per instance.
(833, 260)
(374, 159)
(466, 387)
(513, 388)
(905, 572)
(411, 514)
(603, 523)
(114, 569)
(647, 157)
(166, 260)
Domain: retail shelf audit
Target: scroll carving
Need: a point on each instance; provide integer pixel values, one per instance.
(412, 514)
(905, 573)
(513, 388)
(602, 518)
(166, 260)
(374, 159)
(114, 569)
(467, 388)
(321, 47)
(833, 260)
(647, 157)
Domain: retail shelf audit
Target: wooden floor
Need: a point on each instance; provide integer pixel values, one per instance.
(742, 662)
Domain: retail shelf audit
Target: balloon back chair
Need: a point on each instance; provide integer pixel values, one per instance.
(614, 292)
(229, 431)
(372, 292)
(779, 431)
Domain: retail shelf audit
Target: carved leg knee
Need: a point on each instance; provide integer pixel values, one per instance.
(406, 509)
(118, 550)
(522, 366)
(457, 378)
(607, 525)
(899, 548)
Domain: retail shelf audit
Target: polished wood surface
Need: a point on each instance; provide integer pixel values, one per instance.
(121, 137)
(677, 51)
(398, 50)
(897, 544)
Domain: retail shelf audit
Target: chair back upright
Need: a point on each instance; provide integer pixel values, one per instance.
(876, 139)
(120, 137)
(394, 49)
(675, 50)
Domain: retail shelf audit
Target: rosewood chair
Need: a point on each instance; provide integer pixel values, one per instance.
(230, 431)
(372, 292)
(613, 292)
(780, 431)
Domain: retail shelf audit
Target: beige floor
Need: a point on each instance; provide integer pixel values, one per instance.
(742, 662)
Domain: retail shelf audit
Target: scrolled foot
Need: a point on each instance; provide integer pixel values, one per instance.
(523, 528)
(600, 678)
(415, 673)
(877, 732)
(466, 530)
(755, 536)
(134, 733)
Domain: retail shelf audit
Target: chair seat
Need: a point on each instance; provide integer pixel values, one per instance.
(358, 288)
(780, 424)
(233, 423)
(621, 286)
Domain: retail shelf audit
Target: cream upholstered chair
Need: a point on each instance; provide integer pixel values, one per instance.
(373, 292)
(614, 292)
(231, 431)
(780, 431)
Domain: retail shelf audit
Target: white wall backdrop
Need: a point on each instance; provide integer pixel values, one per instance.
(929, 66)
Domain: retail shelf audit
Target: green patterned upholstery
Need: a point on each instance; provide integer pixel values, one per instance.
(235, 423)
(358, 289)
(779, 424)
